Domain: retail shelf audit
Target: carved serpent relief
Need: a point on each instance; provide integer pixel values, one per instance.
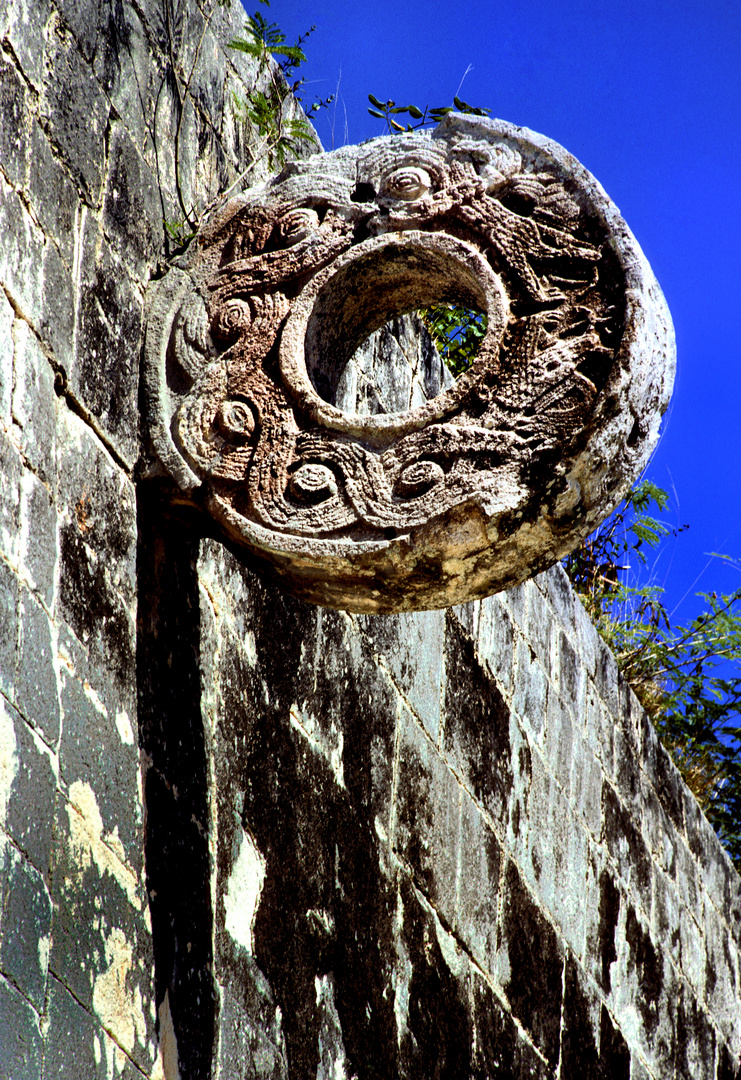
(493, 479)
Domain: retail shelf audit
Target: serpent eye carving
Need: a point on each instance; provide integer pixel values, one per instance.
(418, 478)
(297, 224)
(408, 183)
(232, 319)
(235, 420)
(313, 483)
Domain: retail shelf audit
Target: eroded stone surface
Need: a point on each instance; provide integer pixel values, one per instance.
(467, 487)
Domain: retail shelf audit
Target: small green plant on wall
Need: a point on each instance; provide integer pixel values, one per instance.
(269, 112)
(687, 677)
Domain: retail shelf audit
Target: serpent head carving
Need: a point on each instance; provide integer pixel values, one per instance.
(478, 486)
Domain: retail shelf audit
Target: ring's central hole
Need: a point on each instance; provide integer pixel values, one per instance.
(393, 329)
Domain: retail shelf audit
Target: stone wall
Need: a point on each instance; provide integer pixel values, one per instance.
(242, 836)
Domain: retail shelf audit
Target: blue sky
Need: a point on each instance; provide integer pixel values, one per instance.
(648, 97)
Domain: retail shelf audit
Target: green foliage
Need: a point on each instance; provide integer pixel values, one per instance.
(387, 110)
(457, 332)
(267, 111)
(688, 678)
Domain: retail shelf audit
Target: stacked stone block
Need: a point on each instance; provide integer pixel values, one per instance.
(470, 852)
(91, 96)
(240, 836)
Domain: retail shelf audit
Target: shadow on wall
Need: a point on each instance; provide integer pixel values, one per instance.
(175, 779)
(345, 963)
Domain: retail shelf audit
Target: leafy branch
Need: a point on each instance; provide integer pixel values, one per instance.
(457, 332)
(268, 112)
(388, 110)
(688, 678)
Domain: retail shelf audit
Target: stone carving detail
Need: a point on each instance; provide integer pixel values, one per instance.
(490, 481)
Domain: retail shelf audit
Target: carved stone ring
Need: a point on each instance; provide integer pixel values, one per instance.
(374, 485)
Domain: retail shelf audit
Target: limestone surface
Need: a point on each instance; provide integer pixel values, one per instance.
(475, 487)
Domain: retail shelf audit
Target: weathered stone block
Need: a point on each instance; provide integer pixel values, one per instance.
(99, 750)
(7, 317)
(538, 623)
(626, 847)
(77, 1045)
(25, 926)
(39, 537)
(131, 71)
(480, 857)
(606, 678)
(427, 818)
(586, 788)
(628, 775)
(132, 214)
(605, 906)
(556, 587)
(530, 966)
(643, 982)
(56, 321)
(11, 471)
(22, 254)
(105, 962)
(468, 616)
(591, 1046)
(721, 978)
(667, 917)
(20, 1036)
(104, 374)
(521, 759)
(531, 690)
(501, 1049)
(97, 537)
(14, 125)
(568, 672)
(476, 725)
(495, 641)
(9, 599)
(31, 790)
(35, 276)
(599, 729)
(693, 958)
(36, 694)
(34, 402)
(76, 122)
(245, 1049)
(55, 199)
(561, 746)
(556, 867)
(411, 644)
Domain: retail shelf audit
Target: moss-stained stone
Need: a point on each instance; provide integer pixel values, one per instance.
(36, 692)
(30, 796)
(97, 538)
(476, 732)
(591, 1047)
(101, 946)
(25, 925)
(20, 1036)
(427, 819)
(78, 1045)
(104, 371)
(530, 966)
(241, 836)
